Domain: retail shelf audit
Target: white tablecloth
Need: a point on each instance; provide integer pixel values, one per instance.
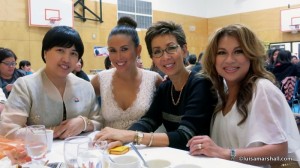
(175, 156)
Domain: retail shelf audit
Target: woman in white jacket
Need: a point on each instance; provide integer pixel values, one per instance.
(53, 96)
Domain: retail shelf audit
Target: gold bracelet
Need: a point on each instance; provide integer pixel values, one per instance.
(138, 138)
(135, 138)
(151, 139)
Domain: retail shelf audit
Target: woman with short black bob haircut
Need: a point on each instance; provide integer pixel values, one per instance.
(62, 37)
(53, 95)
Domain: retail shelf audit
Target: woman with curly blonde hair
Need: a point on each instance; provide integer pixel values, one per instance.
(252, 123)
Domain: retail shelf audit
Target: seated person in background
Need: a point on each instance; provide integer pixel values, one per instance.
(252, 119)
(184, 103)
(283, 67)
(155, 69)
(192, 61)
(2, 100)
(198, 66)
(79, 72)
(295, 59)
(25, 66)
(8, 72)
(285, 73)
(139, 62)
(270, 63)
(53, 96)
(126, 91)
(107, 63)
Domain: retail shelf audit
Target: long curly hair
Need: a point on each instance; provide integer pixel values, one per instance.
(253, 50)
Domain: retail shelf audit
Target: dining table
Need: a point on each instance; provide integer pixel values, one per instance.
(173, 156)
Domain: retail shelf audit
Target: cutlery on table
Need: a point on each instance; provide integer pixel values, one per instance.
(139, 154)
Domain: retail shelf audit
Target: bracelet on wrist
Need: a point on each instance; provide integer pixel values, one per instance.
(135, 138)
(88, 123)
(85, 123)
(151, 139)
(232, 154)
(138, 137)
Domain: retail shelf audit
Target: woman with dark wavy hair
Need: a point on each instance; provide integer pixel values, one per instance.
(253, 119)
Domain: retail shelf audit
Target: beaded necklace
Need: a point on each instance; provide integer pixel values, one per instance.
(178, 100)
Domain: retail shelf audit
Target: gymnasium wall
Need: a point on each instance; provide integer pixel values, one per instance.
(265, 23)
(26, 41)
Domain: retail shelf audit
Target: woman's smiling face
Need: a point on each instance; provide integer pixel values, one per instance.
(122, 51)
(169, 63)
(231, 62)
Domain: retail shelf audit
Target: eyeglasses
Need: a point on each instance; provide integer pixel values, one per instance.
(157, 53)
(10, 64)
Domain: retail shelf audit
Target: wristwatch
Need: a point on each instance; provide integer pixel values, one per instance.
(138, 137)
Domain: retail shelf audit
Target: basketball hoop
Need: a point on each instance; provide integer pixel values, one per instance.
(294, 29)
(54, 21)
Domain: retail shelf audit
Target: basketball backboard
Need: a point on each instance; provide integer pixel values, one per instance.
(49, 13)
(290, 20)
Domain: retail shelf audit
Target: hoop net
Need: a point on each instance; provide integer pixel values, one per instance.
(294, 28)
(54, 21)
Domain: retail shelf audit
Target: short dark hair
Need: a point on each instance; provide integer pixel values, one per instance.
(107, 62)
(24, 63)
(6, 53)
(164, 28)
(62, 36)
(192, 59)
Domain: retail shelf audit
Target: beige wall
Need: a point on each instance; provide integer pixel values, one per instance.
(26, 41)
(266, 24)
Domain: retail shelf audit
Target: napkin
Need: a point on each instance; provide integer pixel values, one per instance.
(8, 145)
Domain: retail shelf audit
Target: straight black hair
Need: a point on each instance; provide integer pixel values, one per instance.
(62, 36)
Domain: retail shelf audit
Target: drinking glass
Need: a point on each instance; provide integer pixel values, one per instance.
(36, 143)
(71, 145)
(93, 155)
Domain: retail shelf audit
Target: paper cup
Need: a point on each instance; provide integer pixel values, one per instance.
(49, 134)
